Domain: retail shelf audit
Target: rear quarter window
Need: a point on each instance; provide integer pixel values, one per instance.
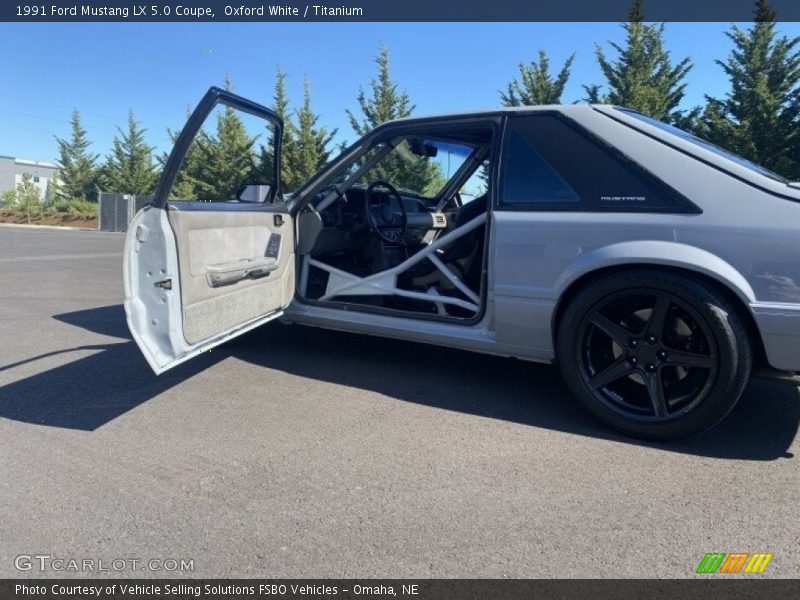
(551, 163)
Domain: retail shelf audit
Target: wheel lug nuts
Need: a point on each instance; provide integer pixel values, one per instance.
(662, 355)
(651, 368)
(634, 360)
(651, 339)
(634, 343)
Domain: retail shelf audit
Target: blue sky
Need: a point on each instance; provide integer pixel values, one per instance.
(158, 70)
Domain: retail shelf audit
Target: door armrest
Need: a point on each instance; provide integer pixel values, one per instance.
(230, 272)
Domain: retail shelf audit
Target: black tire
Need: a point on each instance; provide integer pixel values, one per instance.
(655, 355)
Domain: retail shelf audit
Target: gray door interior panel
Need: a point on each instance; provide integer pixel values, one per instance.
(230, 273)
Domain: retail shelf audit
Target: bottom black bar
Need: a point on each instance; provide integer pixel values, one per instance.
(713, 588)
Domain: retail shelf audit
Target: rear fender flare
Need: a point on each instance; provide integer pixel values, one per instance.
(656, 253)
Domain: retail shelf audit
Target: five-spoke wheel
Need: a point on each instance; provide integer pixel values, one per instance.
(655, 355)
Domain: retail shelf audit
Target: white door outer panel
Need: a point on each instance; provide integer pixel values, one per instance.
(155, 314)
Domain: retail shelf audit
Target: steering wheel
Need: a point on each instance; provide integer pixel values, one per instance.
(382, 219)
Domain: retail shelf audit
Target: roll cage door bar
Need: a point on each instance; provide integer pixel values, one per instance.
(342, 283)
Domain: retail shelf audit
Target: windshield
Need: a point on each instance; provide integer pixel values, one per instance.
(685, 135)
(418, 166)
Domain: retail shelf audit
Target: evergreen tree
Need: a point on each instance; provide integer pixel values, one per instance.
(217, 164)
(794, 173)
(280, 105)
(760, 116)
(385, 103)
(185, 185)
(311, 144)
(536, 85)
(305, 145)
(51, 192)
(27, 197)
(643, 76)
(77, 167)
(129, 168)
(227, 158)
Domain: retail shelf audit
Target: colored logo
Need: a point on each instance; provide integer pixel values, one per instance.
(735, 562)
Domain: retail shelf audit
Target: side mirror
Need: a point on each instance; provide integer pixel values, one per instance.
(253, 192)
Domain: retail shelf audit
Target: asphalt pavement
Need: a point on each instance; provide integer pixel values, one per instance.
(298, 452)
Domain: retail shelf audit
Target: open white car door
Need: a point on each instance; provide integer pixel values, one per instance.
(200, 273)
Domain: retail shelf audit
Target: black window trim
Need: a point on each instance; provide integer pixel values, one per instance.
(682, 204)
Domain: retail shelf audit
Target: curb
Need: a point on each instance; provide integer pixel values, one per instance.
(52, 227)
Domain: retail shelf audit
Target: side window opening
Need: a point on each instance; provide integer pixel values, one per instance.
(552, 164)
(535, 179)
(477, 184)
(230, 159)
(424, 258)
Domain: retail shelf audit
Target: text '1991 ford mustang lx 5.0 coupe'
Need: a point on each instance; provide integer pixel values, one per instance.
(656, 269)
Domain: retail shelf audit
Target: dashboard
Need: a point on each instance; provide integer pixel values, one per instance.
(348, 214)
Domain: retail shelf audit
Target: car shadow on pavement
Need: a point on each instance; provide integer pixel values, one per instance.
(761, 427)
(92, 390)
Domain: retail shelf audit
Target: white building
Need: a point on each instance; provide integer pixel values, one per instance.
(12, 169)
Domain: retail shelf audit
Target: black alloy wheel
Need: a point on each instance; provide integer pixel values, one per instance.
(655, 355)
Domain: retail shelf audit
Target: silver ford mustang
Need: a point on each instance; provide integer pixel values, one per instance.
(656, 269)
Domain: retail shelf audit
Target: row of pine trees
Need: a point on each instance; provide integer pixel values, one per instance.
(758, 118)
